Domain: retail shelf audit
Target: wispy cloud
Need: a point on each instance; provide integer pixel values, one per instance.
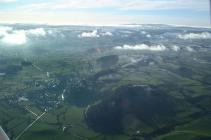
(165, 4)
(7, 1)
(77, 4)
(122, 4)
(186, 12)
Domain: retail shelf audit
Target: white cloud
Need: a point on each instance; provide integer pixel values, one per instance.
(190, 49)
(15, 38)
(50, 32)
(107, 34)
(143, 32)
(148, 36)
(37, 32)
(141, 47)
(4, 30)
(175, 48)
(10, 36)
(204, 35)
(93, 34)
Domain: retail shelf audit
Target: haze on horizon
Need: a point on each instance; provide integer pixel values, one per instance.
(106, 12)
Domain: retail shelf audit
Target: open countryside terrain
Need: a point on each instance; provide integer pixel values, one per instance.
(131, 82)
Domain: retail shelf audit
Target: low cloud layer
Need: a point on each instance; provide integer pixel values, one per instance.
(141, 47)
(10, 36)
(204, 35)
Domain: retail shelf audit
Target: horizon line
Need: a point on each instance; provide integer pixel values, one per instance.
(104, 25)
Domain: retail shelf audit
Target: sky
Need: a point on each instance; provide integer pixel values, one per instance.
(105, 12)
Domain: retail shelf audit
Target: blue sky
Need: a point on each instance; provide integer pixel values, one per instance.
(106, 12)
